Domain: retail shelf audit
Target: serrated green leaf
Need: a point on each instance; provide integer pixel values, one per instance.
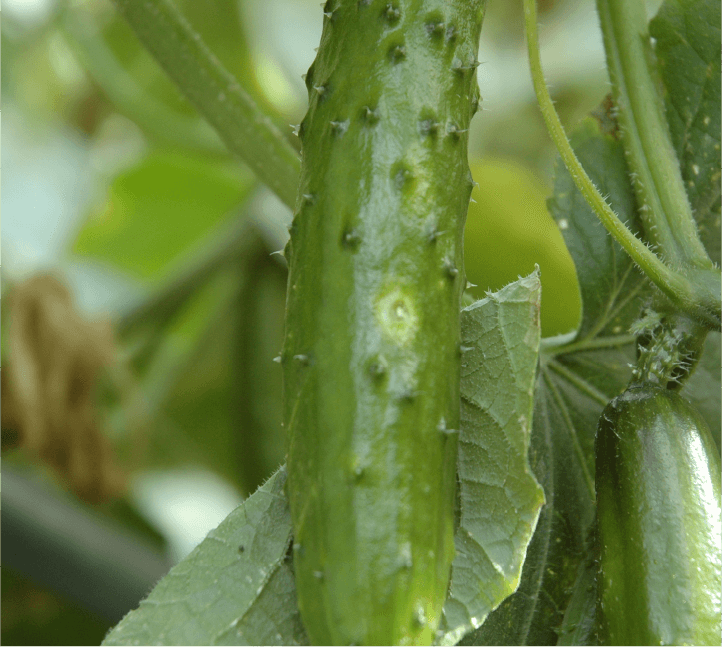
(158, 209)
(213, 588)
(532, 615)
(273, 619)
(578, 375)
(500, 499)
(234, 588)
(687, 34)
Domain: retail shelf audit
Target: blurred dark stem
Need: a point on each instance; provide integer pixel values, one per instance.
(256, 443)
(82, 556)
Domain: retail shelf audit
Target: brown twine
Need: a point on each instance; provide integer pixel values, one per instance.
(55, 357)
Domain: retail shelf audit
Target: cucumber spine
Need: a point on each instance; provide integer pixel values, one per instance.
(659, 521)
(371, 356)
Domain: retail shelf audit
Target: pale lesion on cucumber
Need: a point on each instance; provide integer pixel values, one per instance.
(454, 132)
(396, 314)
(432, 231)
(439, 28)
(429, 123)
(357, 469)
(402, 176)
(378, 368)
(339, 127)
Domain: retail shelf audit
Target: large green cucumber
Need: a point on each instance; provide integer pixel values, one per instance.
(658, 507)
(371, 355)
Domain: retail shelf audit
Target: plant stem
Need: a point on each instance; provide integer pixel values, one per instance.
(666, 211)
(598, 343)
(128, 97)
(698, 296)
(216, 93)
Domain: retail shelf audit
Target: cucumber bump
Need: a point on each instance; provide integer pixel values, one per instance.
(371, 354)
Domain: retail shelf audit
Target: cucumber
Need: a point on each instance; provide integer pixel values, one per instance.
(658, 510)
(371, 357)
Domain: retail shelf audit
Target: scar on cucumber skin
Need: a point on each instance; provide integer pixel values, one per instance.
(357, 469)
(453, 131)
(429, 127)
(369, 115)
(402, 175)
(396, 314)
(338, 128)
(350, 238)
(450, 269)
(377, 368)
(435, 24)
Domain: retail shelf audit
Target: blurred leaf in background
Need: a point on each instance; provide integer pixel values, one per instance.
(508, 231)
(157, 210)
(32, 615)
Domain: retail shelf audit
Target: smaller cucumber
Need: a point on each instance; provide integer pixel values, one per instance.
(659, 520)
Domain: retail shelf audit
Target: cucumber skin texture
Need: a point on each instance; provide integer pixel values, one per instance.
(371, 358)
(658, 507)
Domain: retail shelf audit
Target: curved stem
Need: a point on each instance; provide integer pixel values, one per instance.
(214, 91)
(698, 297)
(131, 100)
(658, 183)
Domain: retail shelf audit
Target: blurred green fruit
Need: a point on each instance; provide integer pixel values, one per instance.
(508, 230)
